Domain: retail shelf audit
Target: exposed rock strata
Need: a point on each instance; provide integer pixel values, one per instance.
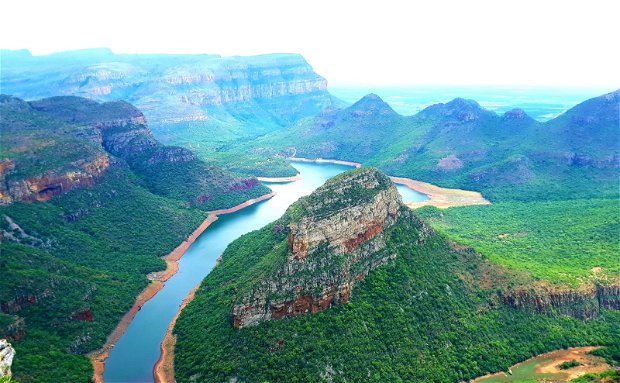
(585, 302)
(53, 183)
(174, 88)
(334, 245)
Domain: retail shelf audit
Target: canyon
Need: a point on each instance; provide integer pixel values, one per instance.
(211, 91)
(83, 139)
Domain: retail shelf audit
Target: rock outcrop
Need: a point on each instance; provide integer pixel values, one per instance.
(334, 239)
(7, 353)
(62, 143)
(52, 183)
(584, 302)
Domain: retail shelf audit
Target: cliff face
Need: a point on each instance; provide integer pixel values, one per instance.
(170, 88)
(330, 247)
(54, 182)
(61, 143)
(585, 302)
(7, 353)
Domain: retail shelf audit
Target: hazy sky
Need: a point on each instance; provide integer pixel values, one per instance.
(494, 42)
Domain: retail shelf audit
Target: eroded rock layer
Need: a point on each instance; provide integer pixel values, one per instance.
(584, 302)
(334, 240)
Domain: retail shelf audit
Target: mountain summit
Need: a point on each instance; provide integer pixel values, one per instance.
(370, 105)
(332, 238)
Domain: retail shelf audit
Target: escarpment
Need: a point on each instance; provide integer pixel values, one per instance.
(333, 239)
(175, 88)
(59, 144)
(585, 302)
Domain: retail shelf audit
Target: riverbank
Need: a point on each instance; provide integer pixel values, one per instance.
(440, 197)
(163, 371)
(99, 357)
(546, 366)
(324, 161)
(279, 179)
(437, 196)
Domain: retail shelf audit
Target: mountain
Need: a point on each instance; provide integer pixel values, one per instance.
(460, 144)
(350, 285)
(198, 101)
(90, 202)
(57, 144)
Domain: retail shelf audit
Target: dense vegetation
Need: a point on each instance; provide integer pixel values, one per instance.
(72, 266)
(429, 316)
(460, 144)
(604, 377)
(92, 250)
(561, 241)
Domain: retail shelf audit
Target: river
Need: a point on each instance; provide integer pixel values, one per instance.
(134, 355)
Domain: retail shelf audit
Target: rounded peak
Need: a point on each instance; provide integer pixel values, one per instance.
(460, 102)
(460, 108)
(371, 105)
(516, 114)
(372, 96)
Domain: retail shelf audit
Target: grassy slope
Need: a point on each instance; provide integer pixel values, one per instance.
(423, 318)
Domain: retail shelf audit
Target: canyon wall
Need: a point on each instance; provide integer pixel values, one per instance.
(172, 88)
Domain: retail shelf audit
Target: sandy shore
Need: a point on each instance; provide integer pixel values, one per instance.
(324, 161)
(98, 357)
(279, 179)
(440, 197)
(550, 361)
(163, 371)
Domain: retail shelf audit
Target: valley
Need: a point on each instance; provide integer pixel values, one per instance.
(352, 243)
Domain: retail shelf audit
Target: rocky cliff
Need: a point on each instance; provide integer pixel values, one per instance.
(585, 302)
(44, 156)
(170, 88)
(334, 239)
(7, 353)
(57, 144)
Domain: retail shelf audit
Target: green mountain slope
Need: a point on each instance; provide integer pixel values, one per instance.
(398, 301)
(460, 144)
(90, 201)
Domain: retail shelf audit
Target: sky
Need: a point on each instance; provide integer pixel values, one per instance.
(382, 42)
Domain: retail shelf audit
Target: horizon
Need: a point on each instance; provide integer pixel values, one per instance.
(480, 43)
(602, 89)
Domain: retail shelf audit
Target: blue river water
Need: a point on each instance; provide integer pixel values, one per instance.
(133, 357)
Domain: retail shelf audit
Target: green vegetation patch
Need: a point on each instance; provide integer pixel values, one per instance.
(568, 242)
(569, 364)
